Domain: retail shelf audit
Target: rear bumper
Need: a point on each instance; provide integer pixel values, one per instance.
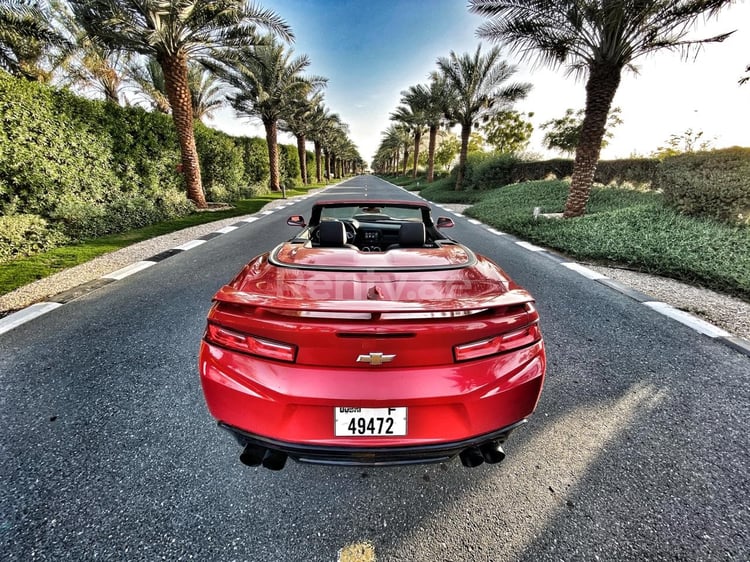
(369, 456)
(290, 407)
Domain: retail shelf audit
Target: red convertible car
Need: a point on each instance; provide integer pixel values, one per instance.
(371, 338)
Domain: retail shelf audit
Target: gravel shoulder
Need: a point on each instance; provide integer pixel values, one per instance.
(729, 313)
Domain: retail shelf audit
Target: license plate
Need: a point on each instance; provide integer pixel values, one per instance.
(363, 422)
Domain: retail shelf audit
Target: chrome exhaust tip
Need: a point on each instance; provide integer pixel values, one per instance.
(252, 455)
(492, 452)
(471, 457)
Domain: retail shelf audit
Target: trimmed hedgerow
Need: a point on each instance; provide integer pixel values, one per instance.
(712, 184)
(639, 171)
(289, 166)
(221, 164)
(88, 168)
(256, 168)
(490, 171)
(25, 235)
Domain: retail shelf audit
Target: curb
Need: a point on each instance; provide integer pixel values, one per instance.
(20, 317)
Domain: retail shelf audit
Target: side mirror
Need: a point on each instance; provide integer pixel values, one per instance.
(296, 220)
(445, 222)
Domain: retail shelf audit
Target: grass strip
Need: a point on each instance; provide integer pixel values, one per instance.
(622, 227)
(625, 227)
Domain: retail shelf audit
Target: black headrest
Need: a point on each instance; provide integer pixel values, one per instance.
(411, 235)
(332, 234)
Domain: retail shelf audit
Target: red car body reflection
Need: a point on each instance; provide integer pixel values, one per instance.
(365, 341)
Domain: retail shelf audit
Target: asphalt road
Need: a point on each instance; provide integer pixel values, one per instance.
(638, 449)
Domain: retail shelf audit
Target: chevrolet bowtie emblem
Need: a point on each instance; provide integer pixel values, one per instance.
(375, 358)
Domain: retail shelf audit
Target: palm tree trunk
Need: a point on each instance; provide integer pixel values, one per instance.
(318, 163)
(417, 139)
(431, 154)
(302, 152)
(600, 91)
(176, 81)
(465, 134)
(406, 157)
(273, 153)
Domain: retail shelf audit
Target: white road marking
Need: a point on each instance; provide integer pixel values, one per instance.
(585, 271)
(226, 229)
(190, 245)
(688, 319)
(496, 232)
(530, 247)
(129, 270)
(29, 313)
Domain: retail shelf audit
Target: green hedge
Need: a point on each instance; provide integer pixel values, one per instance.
(712, 184)
(222, 166)
(545, 169)
(87, 168)
(639, 171)
(256, 173)
(289, 166)
(25, 235)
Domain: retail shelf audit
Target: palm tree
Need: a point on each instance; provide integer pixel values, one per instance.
(394, 139)
(598, 40)
(431, 99)
(411, 113)
(207, 92)
(477, 85)
(321, 121)
(268, 81)
(334, 142)
(299, 122)
(149, 79)
(745, 79)
(174, 32)
(26, 38)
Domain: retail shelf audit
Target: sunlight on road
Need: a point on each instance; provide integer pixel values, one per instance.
(534, 484)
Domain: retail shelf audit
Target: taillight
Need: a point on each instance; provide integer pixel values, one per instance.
(245, 343)
(499, 344)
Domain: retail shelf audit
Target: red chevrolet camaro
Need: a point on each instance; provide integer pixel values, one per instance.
(371, 338)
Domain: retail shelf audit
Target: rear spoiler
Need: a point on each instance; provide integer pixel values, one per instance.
(513, 297)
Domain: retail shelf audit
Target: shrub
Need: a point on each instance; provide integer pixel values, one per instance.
(255, 159)
(24, 235)
(712, 184)
(45, 150)
(289, 166)
(545, 169)
(222, 168)
(492, 172)
(640, 171)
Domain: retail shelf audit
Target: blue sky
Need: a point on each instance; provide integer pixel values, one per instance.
(371, 50)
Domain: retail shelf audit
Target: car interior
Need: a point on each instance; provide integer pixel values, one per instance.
(371, 228)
